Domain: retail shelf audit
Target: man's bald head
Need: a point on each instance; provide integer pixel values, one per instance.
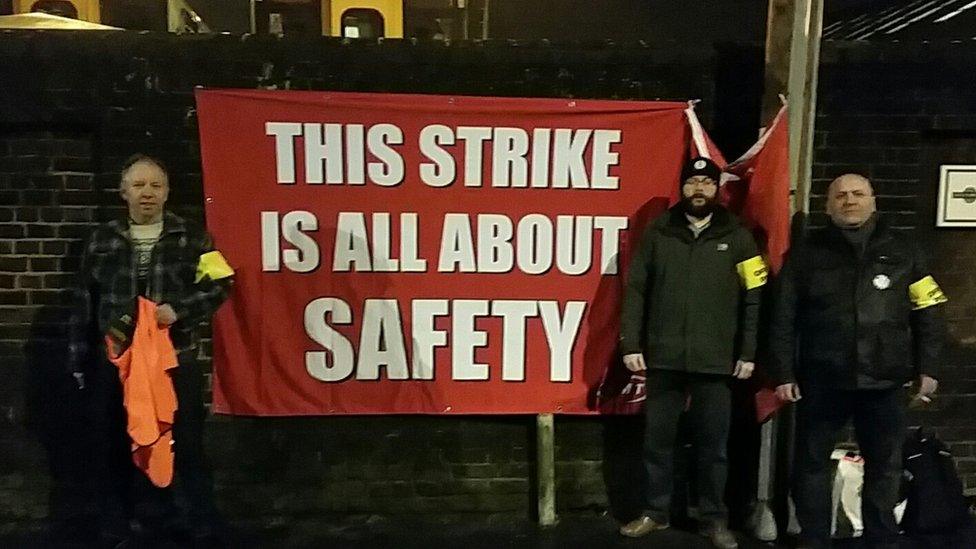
(850, 200)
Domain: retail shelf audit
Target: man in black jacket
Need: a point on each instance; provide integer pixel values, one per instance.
(158, 255)
(690, 309)
(857, 316)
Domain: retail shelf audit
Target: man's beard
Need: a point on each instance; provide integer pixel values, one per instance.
(701, 211)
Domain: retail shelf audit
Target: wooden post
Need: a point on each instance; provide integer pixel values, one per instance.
(546, 469)
(779, 36)
(804, 65)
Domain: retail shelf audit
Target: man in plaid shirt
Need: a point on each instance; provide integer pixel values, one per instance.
(158, 255)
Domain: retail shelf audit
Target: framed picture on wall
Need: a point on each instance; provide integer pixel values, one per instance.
(957, 196)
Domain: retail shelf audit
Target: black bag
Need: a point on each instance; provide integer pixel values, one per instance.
(936, 505)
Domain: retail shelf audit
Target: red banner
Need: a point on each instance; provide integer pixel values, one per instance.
(426, 254)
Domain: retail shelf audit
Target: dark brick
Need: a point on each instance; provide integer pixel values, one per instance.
(17, 315)
(37, 198)
(966, 466)
(13, 297)
(70, 264)
(27, 247)
(7, 281)
(74, 230)
(9, 198)
(6, 214)
(13, 264)
(75, 147)
(48, 297)
(28, 214)
(15, 331)
(51, 214)
(28, 147)
(394, 490)
(14, 181)
(77, 214)
(43, 264)
(76, 198)
(58, 281)
(902, 156)
(36, 230)
(29, 281)
(11, 230)
(56, 247)
(72, 164)
(78, 182)
(46, 182)
(21, 164)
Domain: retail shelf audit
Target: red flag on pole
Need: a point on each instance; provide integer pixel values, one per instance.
(759, 192)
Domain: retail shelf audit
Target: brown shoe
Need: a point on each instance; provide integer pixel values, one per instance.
(720, 536)
(641, 527)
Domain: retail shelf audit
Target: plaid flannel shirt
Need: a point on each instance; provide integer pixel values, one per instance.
(107, 285)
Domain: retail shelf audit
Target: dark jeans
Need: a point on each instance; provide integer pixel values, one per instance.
(118, 485)
(708, 417)
(879, 423)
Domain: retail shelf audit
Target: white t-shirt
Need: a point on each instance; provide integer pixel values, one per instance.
(144, 238)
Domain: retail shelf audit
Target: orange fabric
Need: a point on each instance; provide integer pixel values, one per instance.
(149, 397)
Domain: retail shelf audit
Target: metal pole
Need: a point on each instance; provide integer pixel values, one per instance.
(484, 21)
(804, 64)
(546, 472)
(763, 520)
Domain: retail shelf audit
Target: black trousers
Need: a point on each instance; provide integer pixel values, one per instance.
(708, 417)
(119, 487)
(879, 423)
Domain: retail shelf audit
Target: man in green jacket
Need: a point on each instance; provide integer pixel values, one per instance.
(690, 316)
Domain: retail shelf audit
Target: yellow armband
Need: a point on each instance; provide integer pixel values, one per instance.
(926, 293)
(212, 265)
(752, 272)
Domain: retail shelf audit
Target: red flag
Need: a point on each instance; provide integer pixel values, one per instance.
(759, 192)
(701, 144)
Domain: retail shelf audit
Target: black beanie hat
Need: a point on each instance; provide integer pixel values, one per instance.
(701, 166)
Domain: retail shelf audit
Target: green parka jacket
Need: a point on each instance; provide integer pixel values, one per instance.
(692, 304)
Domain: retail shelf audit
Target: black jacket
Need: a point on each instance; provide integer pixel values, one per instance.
(106, 285)
(687, 304)
(838, 313)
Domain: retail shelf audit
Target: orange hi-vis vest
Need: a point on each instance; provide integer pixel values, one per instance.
(149, 397)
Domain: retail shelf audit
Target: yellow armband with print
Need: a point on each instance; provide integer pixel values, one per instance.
(926, 293)
(212, 265)
(752, 272)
